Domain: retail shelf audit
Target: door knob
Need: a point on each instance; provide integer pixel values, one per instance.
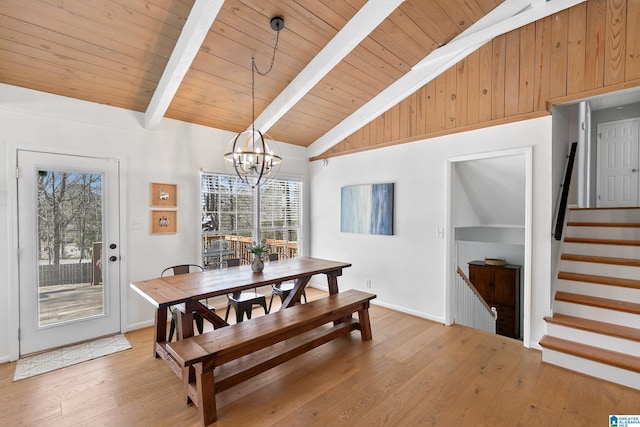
(113, 258)
(634, 170)
(112, 246)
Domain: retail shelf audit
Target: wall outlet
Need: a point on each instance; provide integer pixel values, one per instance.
(368, 283)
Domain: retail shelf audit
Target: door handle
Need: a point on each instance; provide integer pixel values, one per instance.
(113, 258)
(634, 170)
(112, 246)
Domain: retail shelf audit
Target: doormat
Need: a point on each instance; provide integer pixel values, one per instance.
(67, 356)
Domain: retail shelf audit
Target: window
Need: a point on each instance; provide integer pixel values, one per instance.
(280, 216)
(229, 217)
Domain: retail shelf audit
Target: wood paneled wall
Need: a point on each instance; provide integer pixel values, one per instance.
(590, 49)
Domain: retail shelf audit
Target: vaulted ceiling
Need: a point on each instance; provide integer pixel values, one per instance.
(339, 63)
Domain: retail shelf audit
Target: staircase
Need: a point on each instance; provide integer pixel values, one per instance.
(595, 328)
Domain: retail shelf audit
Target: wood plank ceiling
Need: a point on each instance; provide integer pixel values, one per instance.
(115, 52)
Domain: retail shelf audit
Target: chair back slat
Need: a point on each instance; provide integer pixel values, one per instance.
(181, 269)
(233, 262)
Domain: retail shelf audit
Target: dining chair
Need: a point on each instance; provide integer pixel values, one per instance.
(175, 310)
(243, 302)
(280, 289)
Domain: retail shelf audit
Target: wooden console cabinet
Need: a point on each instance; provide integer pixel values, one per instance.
(500, 287)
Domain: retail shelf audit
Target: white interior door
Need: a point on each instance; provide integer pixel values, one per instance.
(618, 164)
(68, 235)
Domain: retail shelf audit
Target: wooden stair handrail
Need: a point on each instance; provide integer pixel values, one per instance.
(486, 305)
(565, 192)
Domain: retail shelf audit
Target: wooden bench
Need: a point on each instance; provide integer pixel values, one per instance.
(263, 343)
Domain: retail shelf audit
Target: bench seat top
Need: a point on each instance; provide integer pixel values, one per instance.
(236, 340)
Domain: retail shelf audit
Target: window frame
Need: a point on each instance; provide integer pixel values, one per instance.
(235, 238)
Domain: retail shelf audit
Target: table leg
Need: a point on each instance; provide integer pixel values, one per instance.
(296, 293)
(160, 327)
(209, 315)
(185, 321)
(332, 279)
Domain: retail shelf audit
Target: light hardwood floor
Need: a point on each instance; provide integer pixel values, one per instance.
(413, 373)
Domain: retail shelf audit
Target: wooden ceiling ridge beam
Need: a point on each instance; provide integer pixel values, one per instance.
(508, 16)
(195, 29)
(367, 19)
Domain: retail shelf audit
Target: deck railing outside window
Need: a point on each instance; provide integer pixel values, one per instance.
(230, 211)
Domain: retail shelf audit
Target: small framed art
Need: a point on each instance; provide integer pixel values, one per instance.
(165, 195)
(164, 222)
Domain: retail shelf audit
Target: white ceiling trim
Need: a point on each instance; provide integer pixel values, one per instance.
(439, 61)
(200, 19)
(357, 29)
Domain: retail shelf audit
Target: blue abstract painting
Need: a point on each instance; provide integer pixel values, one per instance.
(367, 209)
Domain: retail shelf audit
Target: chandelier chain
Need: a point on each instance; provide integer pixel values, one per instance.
(248, 153)
(273, 58)
(254, 67)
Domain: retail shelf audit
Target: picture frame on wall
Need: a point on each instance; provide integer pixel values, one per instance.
(164, 222)
(164, 195)
(367, 209)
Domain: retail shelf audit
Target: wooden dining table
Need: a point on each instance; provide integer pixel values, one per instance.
(192, 288)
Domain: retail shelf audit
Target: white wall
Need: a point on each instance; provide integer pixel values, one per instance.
(477, 251)
(408, 269)
(174, 153)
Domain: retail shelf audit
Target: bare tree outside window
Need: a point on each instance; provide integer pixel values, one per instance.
(70, 243)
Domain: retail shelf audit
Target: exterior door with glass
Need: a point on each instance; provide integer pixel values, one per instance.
(68, 236)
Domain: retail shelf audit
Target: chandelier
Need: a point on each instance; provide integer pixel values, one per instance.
(252, 159)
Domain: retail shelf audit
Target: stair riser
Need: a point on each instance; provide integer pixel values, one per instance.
(614, 251)
(609, 270)
(615, 233)
(620, 345)
(597, 290)
(593, 369)
(587, 312)
(605, 215)
(607, 342)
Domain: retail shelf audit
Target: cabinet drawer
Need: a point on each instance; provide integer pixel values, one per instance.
(506, 324)
(505, 329)
(505, 312)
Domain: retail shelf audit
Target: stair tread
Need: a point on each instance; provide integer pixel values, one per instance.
(611, 304)
(602, 259)
(603, 280)
(603, 224)
(590, 325)
(594, 241)
(614, 208)
(596, 354)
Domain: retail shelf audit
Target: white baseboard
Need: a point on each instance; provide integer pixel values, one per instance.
(437, 319)
(389, 306)
(140, 325)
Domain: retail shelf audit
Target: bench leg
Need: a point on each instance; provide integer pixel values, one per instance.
(206, 398)
(365, 323)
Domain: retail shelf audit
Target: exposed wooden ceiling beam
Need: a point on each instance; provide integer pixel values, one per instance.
(193, 33)
(508, 16)
(357, 29)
